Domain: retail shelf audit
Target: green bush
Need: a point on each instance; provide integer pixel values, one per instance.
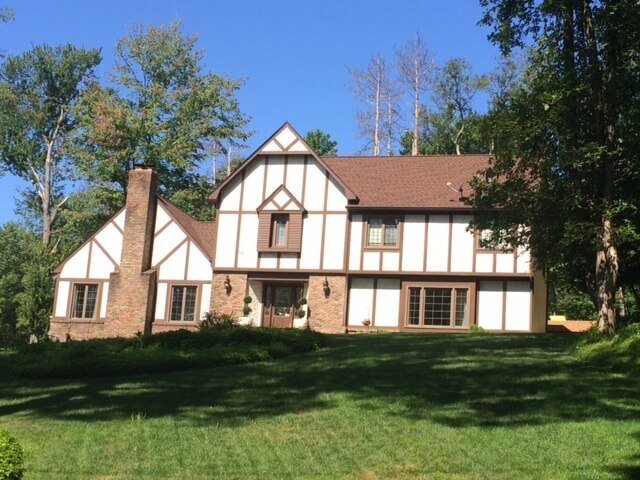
(620, 352)
(217, 320)
(11, 457)
(162, 352)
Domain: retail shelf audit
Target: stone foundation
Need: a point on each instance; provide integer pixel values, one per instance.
(326, 311)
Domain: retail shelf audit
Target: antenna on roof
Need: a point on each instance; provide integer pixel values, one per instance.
(459, 191)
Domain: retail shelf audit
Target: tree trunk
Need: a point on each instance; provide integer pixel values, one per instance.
(607, 279)
(376, 126)
(45, 196)
(416, 114)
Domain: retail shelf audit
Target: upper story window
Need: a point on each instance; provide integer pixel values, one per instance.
(85, 296)
(382, 231)
(279, 230)
(485, 242)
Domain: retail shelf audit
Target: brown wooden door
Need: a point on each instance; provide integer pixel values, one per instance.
(279, 305)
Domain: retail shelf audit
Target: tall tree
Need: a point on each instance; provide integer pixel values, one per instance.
(455, 89)
(416, 67)
(369, 86)
(321, 143)
(567, 146)
(37, 92)
(164, 110)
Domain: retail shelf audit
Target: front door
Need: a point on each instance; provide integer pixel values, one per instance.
(280, 305)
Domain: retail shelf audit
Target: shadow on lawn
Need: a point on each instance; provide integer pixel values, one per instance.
(456, 380)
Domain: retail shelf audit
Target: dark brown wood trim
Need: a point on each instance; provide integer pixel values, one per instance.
(504, 305)
(373, 302)
(104, 250)
(264, 178)
(89, 258)
(426, 242)
(186, 263)
(449, 246)
(239, 224)
(324, 217)
(284, 174)
(310, 212)
(494, 275)
(171, 252)
(347, 243)
(345, 304)
(495, 262)
(113, 221)
(363, 235)
(164, 227)
(400, 241)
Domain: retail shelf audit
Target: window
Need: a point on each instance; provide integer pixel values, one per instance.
(383, 232)
(438, 306)
(279, 230)
(484, 242)
(183, 303)
(85, 296)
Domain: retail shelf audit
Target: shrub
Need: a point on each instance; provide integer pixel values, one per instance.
(217, 320)
(247, 299)
(162, 352)
(476, 329)
(246, 310)
(300, 313)
(11, 457)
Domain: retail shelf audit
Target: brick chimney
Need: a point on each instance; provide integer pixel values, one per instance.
(132, 289)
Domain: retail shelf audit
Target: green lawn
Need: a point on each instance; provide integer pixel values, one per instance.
(367, 407)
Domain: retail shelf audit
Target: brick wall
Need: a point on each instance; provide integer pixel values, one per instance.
(131, 301)
(326, 312)
(232, 302)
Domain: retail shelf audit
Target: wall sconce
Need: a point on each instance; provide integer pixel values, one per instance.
(227, 285)
(325, 287)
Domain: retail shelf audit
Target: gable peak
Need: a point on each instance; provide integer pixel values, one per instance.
(286, 140)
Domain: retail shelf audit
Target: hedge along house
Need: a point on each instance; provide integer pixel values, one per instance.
(340, 243)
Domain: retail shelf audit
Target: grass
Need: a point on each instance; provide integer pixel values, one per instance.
(367, 407)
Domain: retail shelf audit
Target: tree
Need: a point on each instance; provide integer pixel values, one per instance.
(321, 143)
(15, 241)
(416, 66)
(163, 110)
(370, 85)
(567, 145)
(455, 89)
(37, 91)
(36, 297)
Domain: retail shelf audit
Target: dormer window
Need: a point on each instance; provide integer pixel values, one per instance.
(279, 230)
(280, 223)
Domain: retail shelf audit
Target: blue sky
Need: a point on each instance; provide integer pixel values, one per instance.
(293, 54)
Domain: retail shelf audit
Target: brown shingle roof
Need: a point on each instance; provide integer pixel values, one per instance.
(408, 182)
(202, 233)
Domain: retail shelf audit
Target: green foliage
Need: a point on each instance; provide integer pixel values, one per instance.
(247, 299)
(37, 90)
(620, 352)
(246, 310)
(301, 313)
(214, 320)
(168, 351)
(566, 141)
(15, 243)
(164, 110)
(6, 14)
(11, 457)
(36, 298)
(321, 143)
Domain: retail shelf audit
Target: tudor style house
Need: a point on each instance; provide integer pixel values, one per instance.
(336, 243)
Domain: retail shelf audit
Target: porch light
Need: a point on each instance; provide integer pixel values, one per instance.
(325, 287)
(227, 285)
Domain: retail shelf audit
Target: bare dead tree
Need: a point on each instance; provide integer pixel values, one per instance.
(390, 126)
(368, 86)
(415, 67)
